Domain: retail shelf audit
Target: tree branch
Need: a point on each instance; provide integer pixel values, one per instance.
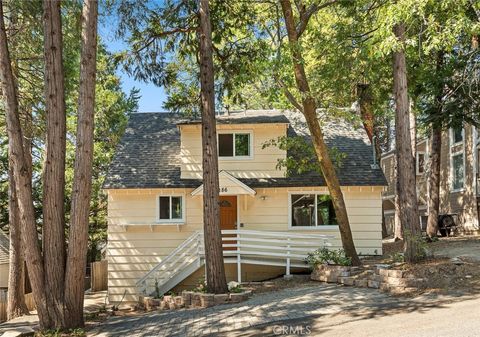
(306, 13)
(288, 93)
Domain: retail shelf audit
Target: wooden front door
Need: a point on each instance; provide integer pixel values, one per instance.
(228, 217)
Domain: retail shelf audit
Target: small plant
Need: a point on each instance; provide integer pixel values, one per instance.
(59, 333)
(326, 256)
(397, 257)
(171, 293)
(234, 287)
(202, 286)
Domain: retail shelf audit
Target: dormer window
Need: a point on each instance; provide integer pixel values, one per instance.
(235, 145)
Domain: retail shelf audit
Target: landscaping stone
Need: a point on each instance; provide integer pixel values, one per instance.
(373, 284)
(347, 281)
(221, 299)
(361, 283)
(196, 300)
(172, 306)
(179, 301)
(238, 297)
(187, 298)
(331, 273)
(395, 273)
(207, 300)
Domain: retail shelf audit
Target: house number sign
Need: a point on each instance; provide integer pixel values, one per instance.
(224, 189)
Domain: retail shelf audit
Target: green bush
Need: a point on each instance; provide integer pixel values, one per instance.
(326, 256)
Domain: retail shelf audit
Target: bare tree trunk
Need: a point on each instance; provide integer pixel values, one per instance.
(215, 269)
(310, 112)
(82, 180)
(23, 183)
(54, 169)
(16, 283)
(405, 166)
(434, 182)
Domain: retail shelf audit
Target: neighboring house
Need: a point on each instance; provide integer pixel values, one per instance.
(269, 221)
(4, 259)
(459, 179)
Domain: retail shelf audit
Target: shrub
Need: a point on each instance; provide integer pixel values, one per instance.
(326, 256)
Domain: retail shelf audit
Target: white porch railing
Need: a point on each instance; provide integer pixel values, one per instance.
(282, 249)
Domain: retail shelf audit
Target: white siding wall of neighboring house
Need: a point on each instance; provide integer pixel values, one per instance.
(4, 275)
(261, 164)
(137, 241)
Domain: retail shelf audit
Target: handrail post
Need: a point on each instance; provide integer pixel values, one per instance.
(239, 259)
(287, 272)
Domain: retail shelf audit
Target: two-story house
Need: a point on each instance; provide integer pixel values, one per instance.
(459, 179)
(270, 221)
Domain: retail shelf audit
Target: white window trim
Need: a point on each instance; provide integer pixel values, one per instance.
(452, 144)
(417, 166)
(234, 157)
(316, 227)
(452, 189)
(170, 221)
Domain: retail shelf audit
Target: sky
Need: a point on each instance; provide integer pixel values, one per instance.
(152, 97)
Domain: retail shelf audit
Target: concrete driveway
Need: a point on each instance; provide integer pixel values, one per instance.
(325, 309)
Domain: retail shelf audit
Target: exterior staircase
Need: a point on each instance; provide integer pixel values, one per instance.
(281, 249)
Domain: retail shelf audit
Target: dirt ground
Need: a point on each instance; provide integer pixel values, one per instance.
(453, 265)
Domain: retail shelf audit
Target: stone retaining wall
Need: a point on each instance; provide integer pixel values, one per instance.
(190, 299)
(378, 277)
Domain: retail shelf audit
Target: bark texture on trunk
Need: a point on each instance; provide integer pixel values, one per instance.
(54, 167)
(214, 266)
(367, 116)
(23, 184)
(16, 282)
(434, 182)
(407, 195)
(321, 150)
(82, 181)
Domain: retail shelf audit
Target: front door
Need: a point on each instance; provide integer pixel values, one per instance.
(228, 217)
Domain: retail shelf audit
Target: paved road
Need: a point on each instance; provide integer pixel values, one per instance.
(326, 310)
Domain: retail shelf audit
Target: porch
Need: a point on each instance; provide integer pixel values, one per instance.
(278, 249)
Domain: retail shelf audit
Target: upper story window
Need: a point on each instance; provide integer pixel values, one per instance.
(312, 210)
(457, 135)
(457, 159)
(420, 163)
(235, 145)
(170, 208)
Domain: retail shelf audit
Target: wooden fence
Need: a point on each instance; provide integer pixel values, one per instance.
(99, 272)
(3, 304)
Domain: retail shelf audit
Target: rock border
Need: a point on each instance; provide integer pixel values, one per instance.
(381, 277)
(191, 299)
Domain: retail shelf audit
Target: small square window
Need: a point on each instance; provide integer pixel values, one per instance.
(234, 145)
(170, 208)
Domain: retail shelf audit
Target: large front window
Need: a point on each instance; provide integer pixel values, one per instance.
(458, 171)
(234, 145)
(312, 210)
(170, 208)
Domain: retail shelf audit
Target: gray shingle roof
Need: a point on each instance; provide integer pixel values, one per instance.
(4, 248)
(148, 155)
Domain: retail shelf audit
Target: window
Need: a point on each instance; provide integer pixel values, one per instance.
(234, 145)
(457, 135)
(420, 163)
(458, 172)
(312, 210)
(170, 208)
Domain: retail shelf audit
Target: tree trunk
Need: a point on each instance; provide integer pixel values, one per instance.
(434, 182)
(23, 183)
(367, 116)
(215, 269)
(82, 180)
(321, 150)
(398, 229)
(54, 168)
(407, 195)
(16, 282)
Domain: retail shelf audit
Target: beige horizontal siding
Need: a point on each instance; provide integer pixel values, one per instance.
(135, 248)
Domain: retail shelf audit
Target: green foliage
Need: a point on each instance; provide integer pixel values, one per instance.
(327, 256)
(301, 157)
(397, 257)
(201, 286)
(61, 333)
